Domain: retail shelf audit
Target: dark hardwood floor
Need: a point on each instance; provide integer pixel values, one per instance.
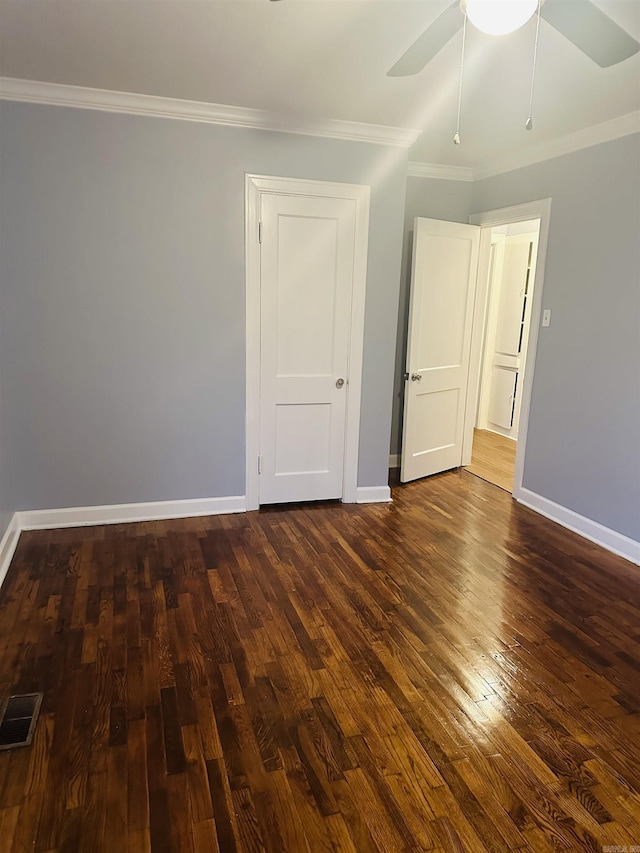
(449, 672)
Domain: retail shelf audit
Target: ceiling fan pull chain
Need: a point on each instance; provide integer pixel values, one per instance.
(529, 122)
(456, 135)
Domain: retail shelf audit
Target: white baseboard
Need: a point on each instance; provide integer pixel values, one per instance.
(123, 513)
(592, 530)
(373, 495)
(8, 545)
(394, 460)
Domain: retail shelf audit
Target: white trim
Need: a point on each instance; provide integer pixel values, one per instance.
(592, 530)
(394, 460)
(134, 103)
(606, 131)
(373, 495)
(8, 545)
(252, 342)
(494, 264)
(82, 516)
(56, 94)
(255, 185)
(541, 210)
(440, 172)
(478, 332)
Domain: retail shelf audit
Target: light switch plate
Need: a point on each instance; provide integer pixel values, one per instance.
(546, 317)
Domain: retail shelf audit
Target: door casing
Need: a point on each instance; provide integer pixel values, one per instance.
(255, 187)
(541, 210)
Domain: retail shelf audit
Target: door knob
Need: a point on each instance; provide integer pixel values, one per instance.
(339, 382)
(416, 377)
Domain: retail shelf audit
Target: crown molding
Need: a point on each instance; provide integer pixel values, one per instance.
(441, 172)
(57, 94)
(606, 131)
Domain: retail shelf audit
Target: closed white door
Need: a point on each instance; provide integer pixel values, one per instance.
(443, 279)
(306, 284)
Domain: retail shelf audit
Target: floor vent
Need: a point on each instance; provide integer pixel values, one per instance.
(19, 717)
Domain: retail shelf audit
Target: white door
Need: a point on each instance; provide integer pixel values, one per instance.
(306, 284)
(510, 310)
(443, 279)
(502, 396)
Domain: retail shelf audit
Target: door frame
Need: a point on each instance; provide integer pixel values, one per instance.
(255, 187)
(540, 209)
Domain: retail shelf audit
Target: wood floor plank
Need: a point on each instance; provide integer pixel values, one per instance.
(449, 672)
(493, 458)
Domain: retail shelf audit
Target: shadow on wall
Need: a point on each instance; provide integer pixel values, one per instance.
(401, 351)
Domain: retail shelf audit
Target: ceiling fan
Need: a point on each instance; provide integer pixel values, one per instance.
(581, 21)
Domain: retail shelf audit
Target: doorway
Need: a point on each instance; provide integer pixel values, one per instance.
(508, 303)
(539, 211)
(445, 433)
(306, 251)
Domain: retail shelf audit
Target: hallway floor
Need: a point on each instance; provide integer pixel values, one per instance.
(493, 458)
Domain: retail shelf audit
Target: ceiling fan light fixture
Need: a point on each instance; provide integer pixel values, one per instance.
(499, 17)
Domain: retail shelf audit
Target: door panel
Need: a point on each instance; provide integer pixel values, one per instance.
(437, 418)
(445, 258)
(306, 268)
(442, 343)
(506, 336)
(305, 280)
(512, 293)
(313, 421)
(503, 389)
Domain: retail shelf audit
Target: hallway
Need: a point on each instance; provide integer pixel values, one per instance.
(493, 458)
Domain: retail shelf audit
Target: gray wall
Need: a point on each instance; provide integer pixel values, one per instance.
(6, 505)
(583, 444)
(436, 199)
(122, 321)
(122, 329)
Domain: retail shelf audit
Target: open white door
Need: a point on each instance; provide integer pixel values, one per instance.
(443, 280)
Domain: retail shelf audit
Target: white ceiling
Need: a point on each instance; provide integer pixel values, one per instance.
(326, 59)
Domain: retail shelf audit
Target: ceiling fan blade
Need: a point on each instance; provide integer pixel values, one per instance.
(595, 33)
(432, 40)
